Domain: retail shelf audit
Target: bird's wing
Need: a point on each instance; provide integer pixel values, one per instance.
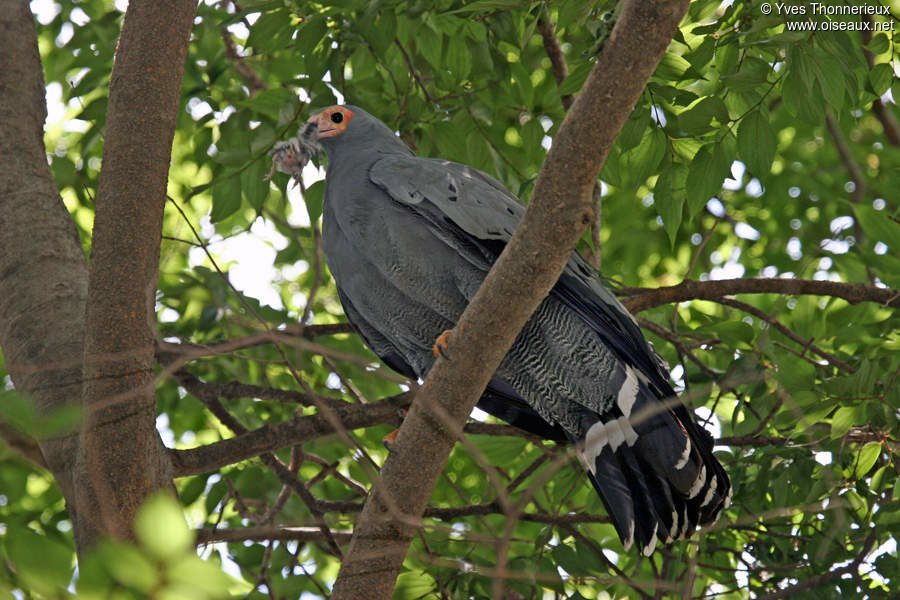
(473, 201)
(474, 213)
(459, 199)
(380, 345)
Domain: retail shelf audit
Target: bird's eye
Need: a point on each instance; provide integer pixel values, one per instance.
(336, 117)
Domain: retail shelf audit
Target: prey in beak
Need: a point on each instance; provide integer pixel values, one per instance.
(293, 154)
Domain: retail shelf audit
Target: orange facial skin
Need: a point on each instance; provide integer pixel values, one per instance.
(332, 121)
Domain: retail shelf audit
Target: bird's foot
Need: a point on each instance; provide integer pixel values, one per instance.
(441, 344)
(388, 440)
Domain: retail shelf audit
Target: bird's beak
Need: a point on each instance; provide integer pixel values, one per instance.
(324, 126)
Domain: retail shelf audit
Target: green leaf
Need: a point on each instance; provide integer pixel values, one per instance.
(161, 529)
(310, 34)
(191, 489)
(269, 102)
(611, 172)
(487, 5)
(700, 56)
(42, 563)
(200, 578)
(431, 47)
(878, 479)
(458, 59)
(831, 78)
(866, 458)
(804, 66)
(634, 128)
(880, 78)
(674, 67)
(879, 44)
(476, 30)
(753, 73)
(413, 585)
(253, 182)
(268, 29)
(215, 495)
(226, 199)
(698, 118)
(842, 421)
(315, 199)
(878, 225)
(734, 333)
(756, 143)
(668, 198)
(641, 161)
(577, 76)
(707, 172)
(499, 451)
(127, 565)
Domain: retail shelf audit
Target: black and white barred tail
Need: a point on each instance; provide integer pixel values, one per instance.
(653, 466)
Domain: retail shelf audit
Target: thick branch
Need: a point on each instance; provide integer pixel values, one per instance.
(122, 458)
(43, 271)
(646, 298)
(523, 275)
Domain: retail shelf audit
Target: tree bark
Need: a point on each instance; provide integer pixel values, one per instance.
(122, 460)
(640, 299)
(523, 275)
(43, 272)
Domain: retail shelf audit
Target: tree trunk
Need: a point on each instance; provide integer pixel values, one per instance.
(43, 272)
(121, 454)
(69, 335)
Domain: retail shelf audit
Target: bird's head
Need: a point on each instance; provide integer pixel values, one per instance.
(342, 131)
(332, 122)
(346, 128)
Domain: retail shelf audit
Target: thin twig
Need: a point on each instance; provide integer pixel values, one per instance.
(750, 309)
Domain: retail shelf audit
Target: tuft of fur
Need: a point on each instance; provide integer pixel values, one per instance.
(292, 155)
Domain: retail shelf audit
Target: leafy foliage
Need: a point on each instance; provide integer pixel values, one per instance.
(755, 150)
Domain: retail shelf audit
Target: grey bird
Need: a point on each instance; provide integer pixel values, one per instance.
(409, 241)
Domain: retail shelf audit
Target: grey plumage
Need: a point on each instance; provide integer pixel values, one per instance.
(409, 241)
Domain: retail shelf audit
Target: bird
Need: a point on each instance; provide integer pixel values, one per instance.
(409, 240)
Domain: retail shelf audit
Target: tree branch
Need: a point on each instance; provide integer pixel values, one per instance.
(121, 456)
(254, 82)
(554, 221)
(555, 54)
(236, 389)
(43, 271)
(471, 510)
(824, 578)
(856, 174)
(882, 112)
(640, 299)
(271, 437)
(759, 314)
(264, 534)
(23, 444)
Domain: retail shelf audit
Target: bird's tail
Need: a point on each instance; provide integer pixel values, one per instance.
(653, 467)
